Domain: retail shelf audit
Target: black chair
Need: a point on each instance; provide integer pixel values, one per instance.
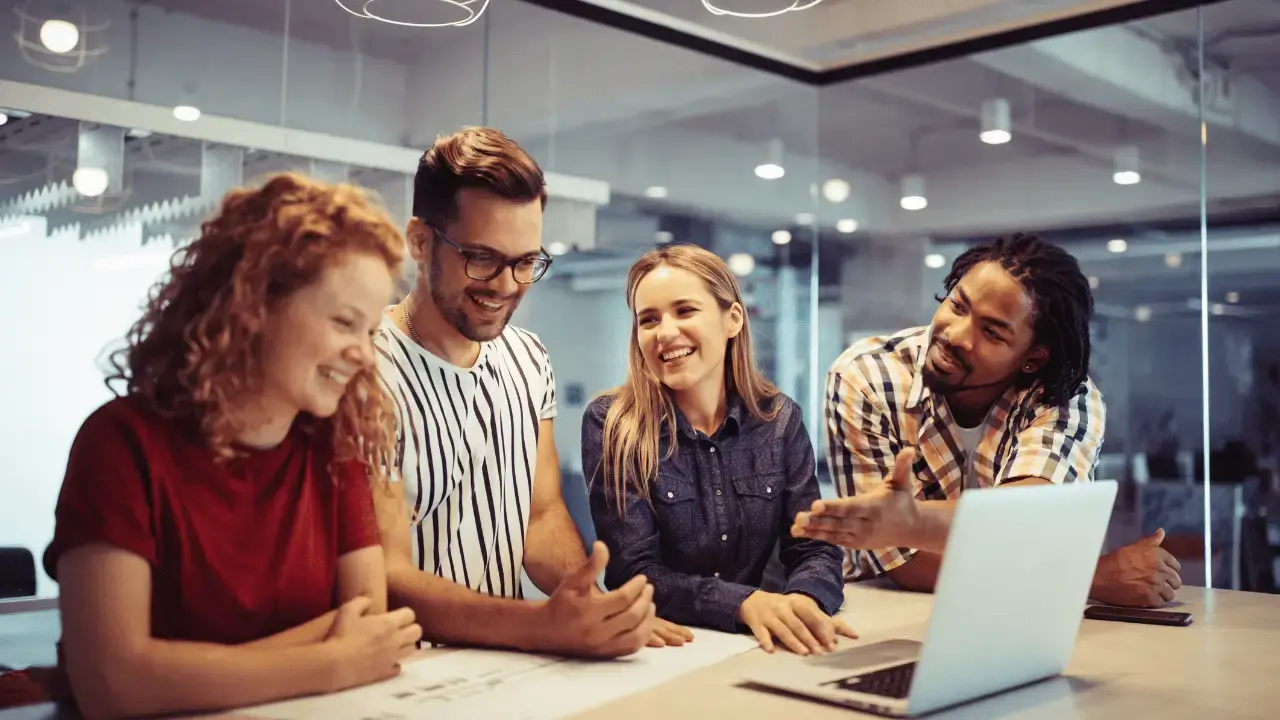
(17, 572)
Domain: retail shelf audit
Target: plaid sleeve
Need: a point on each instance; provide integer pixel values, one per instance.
(861, 445)
(1060, 444)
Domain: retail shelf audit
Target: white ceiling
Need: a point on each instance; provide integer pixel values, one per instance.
(600, 103)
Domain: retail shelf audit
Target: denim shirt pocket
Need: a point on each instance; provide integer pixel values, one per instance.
(675, 504)
(758, 494)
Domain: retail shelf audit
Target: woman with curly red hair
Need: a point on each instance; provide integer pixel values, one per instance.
(216, 514)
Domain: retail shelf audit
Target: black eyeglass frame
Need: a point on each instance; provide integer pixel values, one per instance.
(504, 262)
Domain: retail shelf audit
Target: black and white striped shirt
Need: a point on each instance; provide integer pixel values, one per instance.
(468, 449)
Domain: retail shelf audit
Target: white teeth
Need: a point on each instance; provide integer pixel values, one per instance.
(486, 305)
(334, 375)
(676, 354)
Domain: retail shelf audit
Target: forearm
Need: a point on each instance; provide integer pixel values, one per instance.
(164, 677)
(306, 634)
(553, 548)
(919, 573)
(933, 524)
(816, 569)
(454, 615)
(690, 599)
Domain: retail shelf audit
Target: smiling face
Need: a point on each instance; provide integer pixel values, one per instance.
(983, 334)
(488, 228)
(681, 330)
(318, 338)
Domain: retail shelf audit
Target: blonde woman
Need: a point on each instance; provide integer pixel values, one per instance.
(698, 465)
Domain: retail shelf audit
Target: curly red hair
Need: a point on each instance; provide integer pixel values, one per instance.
(196, 346)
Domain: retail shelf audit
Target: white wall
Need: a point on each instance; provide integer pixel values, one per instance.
(68, 301)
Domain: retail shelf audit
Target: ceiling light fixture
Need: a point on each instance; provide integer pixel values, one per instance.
(1173, 260)
(772, 168)
(741, 264)
(1142, 313)
(90, 181)
(795, 6)
(995, 122)
(1117, 245)
(781, 237)
(473, 8)
(835, 190)
(913, 197)
(187, 113)
(59, 36)
(662, 237)
(656, 192)
(557, 248)
(934, 260)
(1094, 282)
(848, 226)
(1127, 166)
(3, 118)
(1233, 297)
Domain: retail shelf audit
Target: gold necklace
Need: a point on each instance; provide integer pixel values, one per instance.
(408, 321)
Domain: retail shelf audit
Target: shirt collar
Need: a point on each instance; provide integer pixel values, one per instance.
(734, 416)
(919, 392)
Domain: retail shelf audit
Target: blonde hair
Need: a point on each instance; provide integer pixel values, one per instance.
(641, 407)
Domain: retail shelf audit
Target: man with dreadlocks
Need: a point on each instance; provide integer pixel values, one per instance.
(994, 393)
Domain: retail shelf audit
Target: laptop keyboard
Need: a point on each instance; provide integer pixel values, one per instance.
(892, 682)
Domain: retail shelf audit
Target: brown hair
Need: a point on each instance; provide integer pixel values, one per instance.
(641, 407)
(196, 347)
(475, 157)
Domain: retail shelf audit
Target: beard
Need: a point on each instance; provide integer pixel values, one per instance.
(452, 307)
(938, 382)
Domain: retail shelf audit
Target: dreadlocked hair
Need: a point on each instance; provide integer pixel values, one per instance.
(1062, 305)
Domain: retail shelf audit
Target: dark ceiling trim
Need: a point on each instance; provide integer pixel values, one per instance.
(1010, 38)
(589, 11)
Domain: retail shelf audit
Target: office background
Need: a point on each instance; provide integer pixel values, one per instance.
(838, 157)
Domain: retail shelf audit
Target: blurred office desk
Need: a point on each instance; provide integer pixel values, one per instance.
(1225, 665)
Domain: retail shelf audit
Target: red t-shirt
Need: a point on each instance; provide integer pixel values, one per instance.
(239, 550)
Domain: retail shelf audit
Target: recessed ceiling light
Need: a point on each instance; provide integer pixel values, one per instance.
(186, 113)
(1094, 282)
(3, 118)
(1173, 259)
(847, 226)
(934, 260)
(1142, 313)
(1233, 297)
(741, 264)
(1217, 308)
(1118, 245)
(804, 218)
(769, 171)
(781, 237)
(835, 190)
(90, 181)
(655, 191)
(663, 237)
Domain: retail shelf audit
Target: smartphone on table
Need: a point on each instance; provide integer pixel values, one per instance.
(1137, 615)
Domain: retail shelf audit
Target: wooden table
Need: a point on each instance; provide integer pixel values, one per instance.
(1225, 666)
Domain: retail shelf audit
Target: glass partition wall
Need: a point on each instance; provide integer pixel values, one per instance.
(1149, 149)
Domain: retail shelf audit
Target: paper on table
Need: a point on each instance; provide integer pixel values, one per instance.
(486, 684)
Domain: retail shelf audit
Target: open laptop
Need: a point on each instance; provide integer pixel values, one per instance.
(1009, 602)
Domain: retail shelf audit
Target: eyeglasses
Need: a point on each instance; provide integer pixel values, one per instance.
(485, 265)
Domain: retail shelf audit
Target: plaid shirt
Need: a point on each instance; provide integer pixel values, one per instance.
(877, 403)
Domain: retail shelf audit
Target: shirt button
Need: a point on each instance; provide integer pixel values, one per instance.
(768, 490)
(713, 449)
(671, 494)
(715, 575)
(717, 492)
(724, 538)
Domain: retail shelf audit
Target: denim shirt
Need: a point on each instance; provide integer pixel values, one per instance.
(720, 507)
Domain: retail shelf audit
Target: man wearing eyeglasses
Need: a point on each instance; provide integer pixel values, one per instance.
(479, 497)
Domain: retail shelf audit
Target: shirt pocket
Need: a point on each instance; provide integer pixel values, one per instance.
(675, 503)
(758, 494)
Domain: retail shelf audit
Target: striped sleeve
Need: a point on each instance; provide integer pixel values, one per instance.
(1060, 444)
(861, 445)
